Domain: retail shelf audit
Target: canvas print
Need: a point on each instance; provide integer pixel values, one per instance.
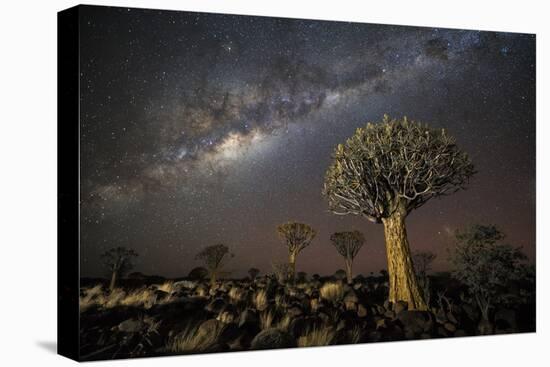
(258, 183)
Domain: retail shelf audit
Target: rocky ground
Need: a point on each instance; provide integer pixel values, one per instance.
(183, 317)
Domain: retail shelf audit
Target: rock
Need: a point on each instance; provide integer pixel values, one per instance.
(294, 311)
(272, 339)
(248, 316)
(388, 305)
(460, 332)
(381, 324)
(216, 306)
(131, 326)
(450, 327)
(227, 316)
(451, 317)
(400, 306)
(374, 336)
(389, 314)
(442, 332)
(505, 319)
(441, 316)
(380, 310)
(361, 310)
(417, 321)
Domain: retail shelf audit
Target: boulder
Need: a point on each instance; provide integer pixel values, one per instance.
(130, 326)
(417, 321)
(273, 339)
(505, 319)
(400, 306)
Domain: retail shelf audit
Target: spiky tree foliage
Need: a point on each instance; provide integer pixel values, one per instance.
(485, 265)
(386, 170)
(296, 237)
(118, 261)
(214, 258)
(348, 245)
(253, 273)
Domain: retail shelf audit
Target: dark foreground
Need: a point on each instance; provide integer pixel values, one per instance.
(191, 316)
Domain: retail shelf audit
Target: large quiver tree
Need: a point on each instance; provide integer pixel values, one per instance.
(348, 245)
(383, 172)
(296, 237)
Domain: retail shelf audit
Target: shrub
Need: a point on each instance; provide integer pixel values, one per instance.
(332, 291)
(323, 335)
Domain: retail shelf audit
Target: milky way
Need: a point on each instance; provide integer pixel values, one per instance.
(199, 129)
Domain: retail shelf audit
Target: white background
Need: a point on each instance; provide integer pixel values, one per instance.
(28, 182)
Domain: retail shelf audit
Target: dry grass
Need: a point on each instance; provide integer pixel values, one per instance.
(332, 291)
(260, 300)
(317, 337)
(192, 341)
(284, 323)
(237, 294)
(266, 320)
(142, 297)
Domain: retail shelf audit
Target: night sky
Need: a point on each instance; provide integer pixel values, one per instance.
(198, 129)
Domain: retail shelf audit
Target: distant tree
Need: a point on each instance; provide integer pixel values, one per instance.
(118, 261)
(198, 273)
(253, 273)
(296, 236)
(214, 258)
(282, 271)
(422, 261)
(485, 265)
(348, 245)
(386, 170)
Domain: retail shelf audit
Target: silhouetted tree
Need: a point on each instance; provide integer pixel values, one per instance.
(297, 236)
(485, 265)
(386, 170)
(253, 273)
(118, 261)
(213, 258)
(422, 261)
(348, 245)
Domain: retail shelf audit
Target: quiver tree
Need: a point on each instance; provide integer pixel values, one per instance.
(118, 262)
(348, 245)
(296, 237)
(386, 170)
(214, 258)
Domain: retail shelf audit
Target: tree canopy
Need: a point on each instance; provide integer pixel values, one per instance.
(394, 165)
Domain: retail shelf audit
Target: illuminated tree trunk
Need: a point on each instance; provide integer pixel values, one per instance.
(213, 277)
(292, 263)
(403, 283)
(349, 270)
(113, 280)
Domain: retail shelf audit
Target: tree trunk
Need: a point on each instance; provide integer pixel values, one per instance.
(403, 282)
(213, 278)
(292, 262)
(113, 281)
(349, 270)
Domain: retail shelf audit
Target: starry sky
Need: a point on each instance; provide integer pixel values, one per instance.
(198, 129)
